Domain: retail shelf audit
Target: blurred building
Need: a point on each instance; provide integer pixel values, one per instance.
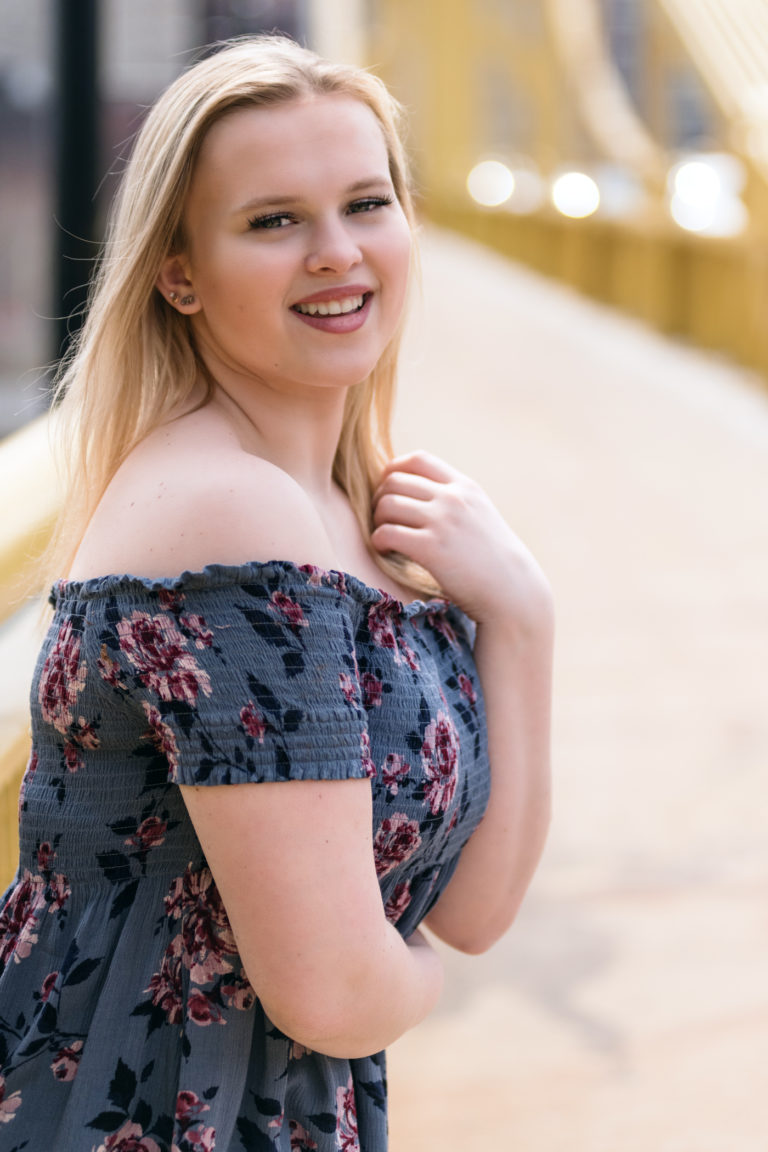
(142, 45)
(621, 145)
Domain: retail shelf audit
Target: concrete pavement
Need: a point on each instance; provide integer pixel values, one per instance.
(627, 1010)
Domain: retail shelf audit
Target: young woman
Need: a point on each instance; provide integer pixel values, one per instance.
(260, 755)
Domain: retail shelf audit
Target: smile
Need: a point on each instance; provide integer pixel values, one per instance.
(332, 307)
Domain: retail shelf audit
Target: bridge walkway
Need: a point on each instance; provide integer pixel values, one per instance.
(627, 1010)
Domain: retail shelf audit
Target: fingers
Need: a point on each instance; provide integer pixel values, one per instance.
(405, 484)
(414, 493)
(396, 509)
(399, 538)
(422, 464)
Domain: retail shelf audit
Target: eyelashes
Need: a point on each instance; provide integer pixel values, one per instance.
(271, 221)
(368, 203)
(274, 221)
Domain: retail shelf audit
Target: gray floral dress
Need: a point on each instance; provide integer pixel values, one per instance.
(127, 1023)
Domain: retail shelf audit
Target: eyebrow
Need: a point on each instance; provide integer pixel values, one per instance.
(279, 201)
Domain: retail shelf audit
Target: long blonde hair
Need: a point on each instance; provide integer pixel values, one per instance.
(134, 361)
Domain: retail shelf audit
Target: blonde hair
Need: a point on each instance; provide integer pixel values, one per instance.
(134, 361)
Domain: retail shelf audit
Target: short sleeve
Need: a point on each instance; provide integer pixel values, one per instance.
(239, 682)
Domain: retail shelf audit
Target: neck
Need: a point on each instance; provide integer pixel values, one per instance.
(298, 434)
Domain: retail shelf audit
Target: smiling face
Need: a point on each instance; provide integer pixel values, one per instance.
(297, 250)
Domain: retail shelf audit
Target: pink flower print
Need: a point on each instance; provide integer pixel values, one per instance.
(315, 576)
(409, 655)
(301, 1141)
(396, 839)
(398, 901)
(238, 994)
(157, 649)
(369, 768)
(8, 1104)
(58, 892)
(66, 1060)
(149, 834)
(48, 986)
(348, 687)
(45, 856)
(162, 736)
(253, 722)
(467, 688)
(207, 937)
(440, 623)
(200, 1138)
(346, 1119)
(62, 679)
(440, 761)
(199, 629)
(290, 611)
(20, 918)
(372, 689)
(72, 758)
(109, 669)
(201, 1010)
(170, 600)
(385, 631)
(188, 1107)
(85, 734)
(381, 627)
(392, 771)
(129, 1138)
(165, 985)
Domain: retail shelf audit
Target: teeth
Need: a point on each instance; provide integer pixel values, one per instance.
(332, 307)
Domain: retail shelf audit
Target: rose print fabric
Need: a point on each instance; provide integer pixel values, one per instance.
(127, 1023)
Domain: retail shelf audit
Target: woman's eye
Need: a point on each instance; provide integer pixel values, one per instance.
(270, 222)
(369, 203)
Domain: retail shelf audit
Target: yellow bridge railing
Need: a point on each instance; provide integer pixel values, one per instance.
(29, 502)
(535, 81)
(712, 292)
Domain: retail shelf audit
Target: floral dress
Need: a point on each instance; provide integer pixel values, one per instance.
(127, 1023)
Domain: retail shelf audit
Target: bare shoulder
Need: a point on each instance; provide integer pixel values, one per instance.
(183, 499)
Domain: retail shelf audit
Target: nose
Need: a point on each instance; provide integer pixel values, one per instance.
(333, 248)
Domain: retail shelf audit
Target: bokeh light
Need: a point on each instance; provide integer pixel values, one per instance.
(704, 194)
(576, 195)
(490, 183)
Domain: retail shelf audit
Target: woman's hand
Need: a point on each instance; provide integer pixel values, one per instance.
(445, 522)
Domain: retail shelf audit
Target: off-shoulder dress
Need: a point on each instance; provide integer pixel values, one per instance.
(126, 1020)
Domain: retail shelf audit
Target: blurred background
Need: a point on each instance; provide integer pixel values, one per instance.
(591, 343)
(619, 145)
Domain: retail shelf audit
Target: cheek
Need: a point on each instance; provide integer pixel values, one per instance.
(399, 255)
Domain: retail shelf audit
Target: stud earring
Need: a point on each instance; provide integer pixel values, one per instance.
(187, 300)
(173, 297)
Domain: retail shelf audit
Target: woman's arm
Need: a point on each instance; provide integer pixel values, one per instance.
(442, 520)
(294, 864)
(294, 860)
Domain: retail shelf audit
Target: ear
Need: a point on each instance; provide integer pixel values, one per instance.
(174, 284)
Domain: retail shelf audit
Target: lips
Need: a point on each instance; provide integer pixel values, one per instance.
(338, 292)
(338, 314)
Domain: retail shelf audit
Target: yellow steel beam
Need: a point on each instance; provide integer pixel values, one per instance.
(728, 43)
(607, 111)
